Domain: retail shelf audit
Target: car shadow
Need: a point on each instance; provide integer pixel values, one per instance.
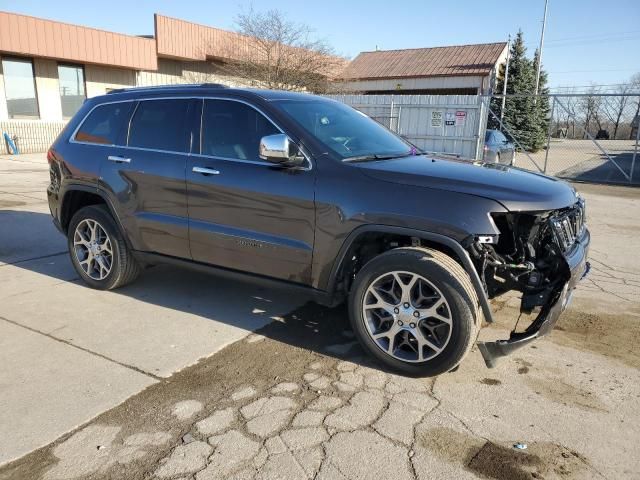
(277, 313)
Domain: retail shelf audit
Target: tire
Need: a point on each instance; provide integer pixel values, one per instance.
(91, 258)
(442, 292)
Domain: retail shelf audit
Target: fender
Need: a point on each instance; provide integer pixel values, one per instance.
(437, 238)
(75, 187)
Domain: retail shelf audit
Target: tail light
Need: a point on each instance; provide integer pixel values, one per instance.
(50, 156)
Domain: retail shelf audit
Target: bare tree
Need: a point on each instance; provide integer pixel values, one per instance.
(567, 114)
(635, 87)
(590, 106)
(614, 107)
(274, 52)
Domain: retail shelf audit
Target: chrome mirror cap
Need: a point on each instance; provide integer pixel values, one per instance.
(279, 148)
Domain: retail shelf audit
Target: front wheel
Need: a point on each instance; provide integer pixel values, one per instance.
(98, 250)
(415, 310)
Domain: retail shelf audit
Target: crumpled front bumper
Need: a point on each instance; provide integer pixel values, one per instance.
(545, 321)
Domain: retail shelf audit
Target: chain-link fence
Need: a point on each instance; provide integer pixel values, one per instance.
(584, 137)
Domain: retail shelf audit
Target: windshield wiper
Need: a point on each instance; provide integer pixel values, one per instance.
(374, 157)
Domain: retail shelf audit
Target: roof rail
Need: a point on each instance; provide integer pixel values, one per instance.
(167, 87)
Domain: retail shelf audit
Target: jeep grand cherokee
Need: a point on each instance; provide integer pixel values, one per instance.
(307, 191)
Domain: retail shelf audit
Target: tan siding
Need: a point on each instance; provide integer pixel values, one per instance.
(4, 113)
(24, 35)
(101, 79)
(171, 72)
(48, 89)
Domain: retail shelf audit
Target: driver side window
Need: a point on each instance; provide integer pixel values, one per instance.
(233, 130)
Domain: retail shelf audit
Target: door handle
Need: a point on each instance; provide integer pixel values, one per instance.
(118, 159)
(206, 171)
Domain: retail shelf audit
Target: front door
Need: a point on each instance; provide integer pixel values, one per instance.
(245, 213)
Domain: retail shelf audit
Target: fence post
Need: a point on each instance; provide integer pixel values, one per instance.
(391, 118)
(635, 150)
(479, 140)
(546, 153)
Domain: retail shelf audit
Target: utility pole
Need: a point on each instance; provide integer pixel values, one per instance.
(506, 79)
(544, 24)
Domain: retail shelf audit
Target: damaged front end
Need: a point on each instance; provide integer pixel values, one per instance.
(541, 254)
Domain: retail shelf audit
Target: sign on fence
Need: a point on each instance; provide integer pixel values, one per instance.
(461, 116)
(436, 118)
(451, 119)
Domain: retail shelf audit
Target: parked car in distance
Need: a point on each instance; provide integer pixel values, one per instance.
(602, 134)
(498, 149)
(311, 194)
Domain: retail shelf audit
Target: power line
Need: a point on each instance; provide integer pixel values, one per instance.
(592, 86)
(612, 37)
(594, 71)
(596, 36)
(593, 42)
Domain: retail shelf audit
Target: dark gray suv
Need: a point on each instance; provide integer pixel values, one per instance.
(310, 193)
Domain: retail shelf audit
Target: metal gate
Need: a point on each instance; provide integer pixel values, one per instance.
(441, 124)
(587, 137)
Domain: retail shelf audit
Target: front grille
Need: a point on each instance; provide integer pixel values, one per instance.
(568, 226)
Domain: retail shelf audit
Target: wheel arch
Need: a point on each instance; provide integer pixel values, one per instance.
(437, 241)
(78, 196)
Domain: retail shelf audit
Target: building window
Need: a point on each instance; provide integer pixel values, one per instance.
(20, 88)
(72, 91)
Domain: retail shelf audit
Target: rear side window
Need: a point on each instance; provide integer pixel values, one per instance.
(500, 138)
(161, 125)
(233, 130)
(104, 124)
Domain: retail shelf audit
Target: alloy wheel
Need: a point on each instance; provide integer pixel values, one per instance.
(407, 316)
(93, 250)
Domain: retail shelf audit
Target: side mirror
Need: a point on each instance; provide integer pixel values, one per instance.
(280, 149)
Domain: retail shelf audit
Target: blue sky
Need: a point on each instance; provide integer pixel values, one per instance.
(587, 41)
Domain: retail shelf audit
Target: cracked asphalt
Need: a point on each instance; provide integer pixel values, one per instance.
(298, 398)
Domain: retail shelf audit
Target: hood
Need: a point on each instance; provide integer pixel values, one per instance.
(514, 188)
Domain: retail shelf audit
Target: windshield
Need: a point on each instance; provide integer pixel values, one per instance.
(347, 132)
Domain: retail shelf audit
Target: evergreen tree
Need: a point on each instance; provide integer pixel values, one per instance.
(543, 110)
(524, 117)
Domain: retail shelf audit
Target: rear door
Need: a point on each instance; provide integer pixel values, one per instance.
(245, 213)
(147, 175)
(504, 147)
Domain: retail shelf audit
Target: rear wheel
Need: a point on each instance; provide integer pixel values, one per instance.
(415, 310)
(98, 250)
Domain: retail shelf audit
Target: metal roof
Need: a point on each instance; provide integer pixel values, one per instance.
(475, 60)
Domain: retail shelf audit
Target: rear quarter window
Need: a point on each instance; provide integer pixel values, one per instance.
(104, 124)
